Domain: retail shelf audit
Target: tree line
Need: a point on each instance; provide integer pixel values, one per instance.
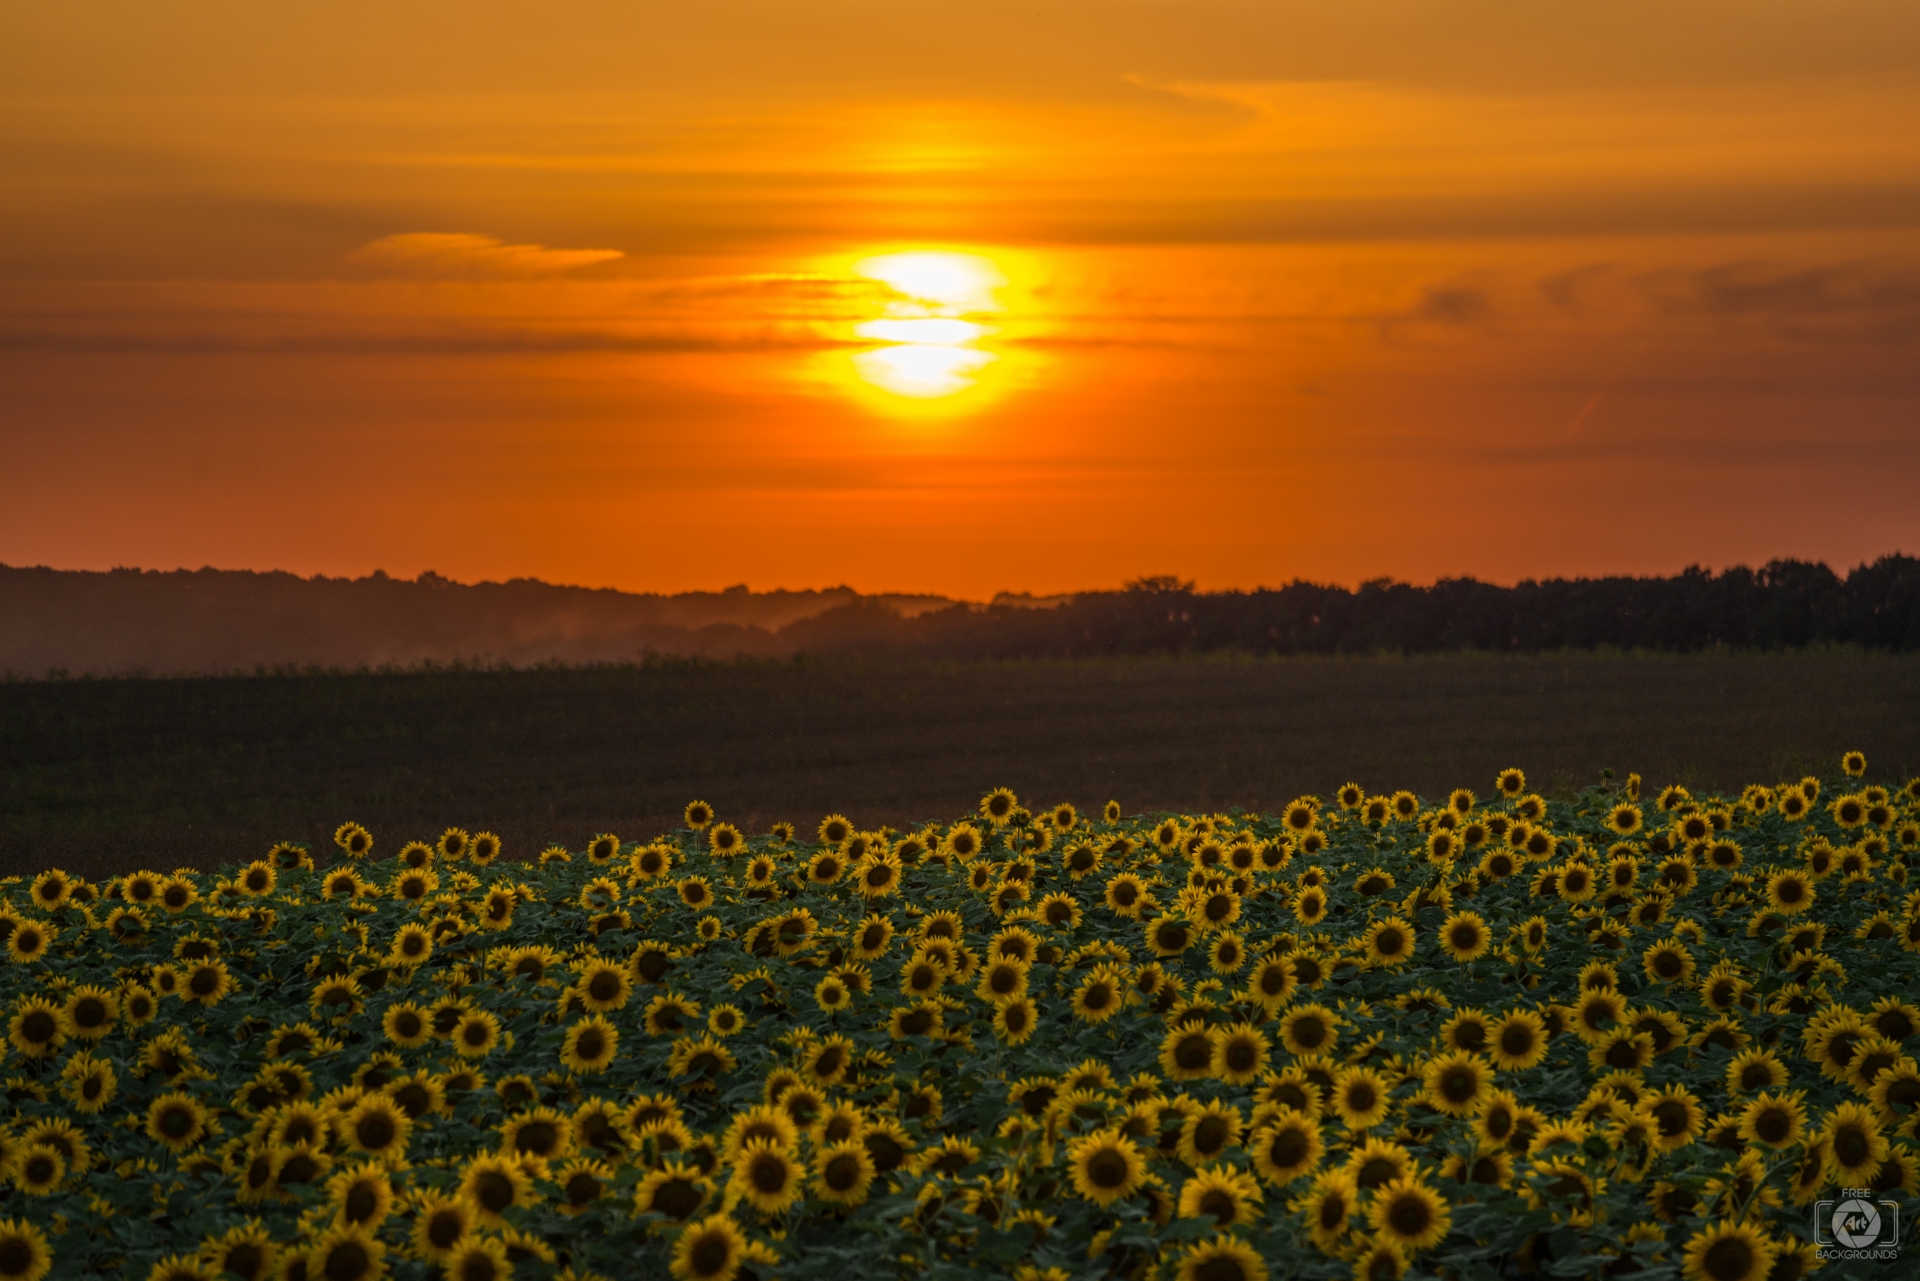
(1786, 604)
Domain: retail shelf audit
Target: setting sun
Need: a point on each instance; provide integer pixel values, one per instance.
(929, 352)
(935, 284)
(960, 286)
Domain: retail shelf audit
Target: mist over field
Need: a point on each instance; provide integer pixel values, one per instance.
(146, 623)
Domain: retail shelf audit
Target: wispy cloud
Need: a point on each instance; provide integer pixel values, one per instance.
(463, 255)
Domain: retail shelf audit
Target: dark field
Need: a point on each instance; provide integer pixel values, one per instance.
(100, 777)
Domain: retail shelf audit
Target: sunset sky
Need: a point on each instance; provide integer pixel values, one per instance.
(959, 297)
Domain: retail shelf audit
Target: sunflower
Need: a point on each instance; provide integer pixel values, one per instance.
(1170, 936)
(347, 1252)
(1376, 1163)
(1789, 892)
(711, 1250)
(30, 941)
(701, 1057)
(697, 815)
(1464, 936)
(476, 1034)
(1328, 1207)
(492, 1185)
(39, 1027)
(379, 1127)
(361, 1194)
(176, 1120)
(766, 1176)
(1239, 1053)
(1676, 1117)
(828, 1060)
(1227, 1196)
(406, 1025)
(1361, 1097)
(1226, 953)
(1100, 995)
(38, 1170)
(582, 1182)
(676, 1191)
(412, 945)
(88, 1083)
(1518, 1041)
(843, 1172)
(180, 1267)
(1309, 1029)
(1106, 1166)
(1775, 1120)
(1003, 979)
(1221, 1259)
(1623, 1049)
(1014, 1019)
(338, 998)
(878, 875)
(1410, 1214)
(1597, 1007)
(1310, 905)
(1896, 1094)
(1271, 983)
(1208, 1131)
(1457, 1083)
(1390, 942)
(477, 1259)
(246, 1250)
(1466, 1030)
(1855, 1147)
(1186, 1052)
(1728, 1251)
(1286, 1145)
(590, 1045)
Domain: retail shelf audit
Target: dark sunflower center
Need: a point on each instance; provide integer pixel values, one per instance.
(1288, 1148)
(1410, 1215)
(362, 1200)
(347, 1261)
(1729, 1259)
(494, 1191)
(1220, 1205)
(676, 1198)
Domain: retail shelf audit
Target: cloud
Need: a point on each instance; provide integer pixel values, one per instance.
(1861, 300)
(462, 255)
(466, 343)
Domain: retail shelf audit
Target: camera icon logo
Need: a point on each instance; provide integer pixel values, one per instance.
(1857, 1226)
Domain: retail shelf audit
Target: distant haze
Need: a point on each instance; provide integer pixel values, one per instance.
(56, 623)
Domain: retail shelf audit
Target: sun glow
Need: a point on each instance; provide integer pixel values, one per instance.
(935, 284)
(929, 343)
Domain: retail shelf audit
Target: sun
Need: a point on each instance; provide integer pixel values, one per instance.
(927, 335)
(935, 283)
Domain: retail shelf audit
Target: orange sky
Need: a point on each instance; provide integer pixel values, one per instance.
(1257, 290)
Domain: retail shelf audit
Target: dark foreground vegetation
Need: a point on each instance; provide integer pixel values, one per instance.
(103, 776)
(211, 621)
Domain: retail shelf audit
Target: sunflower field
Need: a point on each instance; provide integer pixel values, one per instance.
(1369, 1036)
